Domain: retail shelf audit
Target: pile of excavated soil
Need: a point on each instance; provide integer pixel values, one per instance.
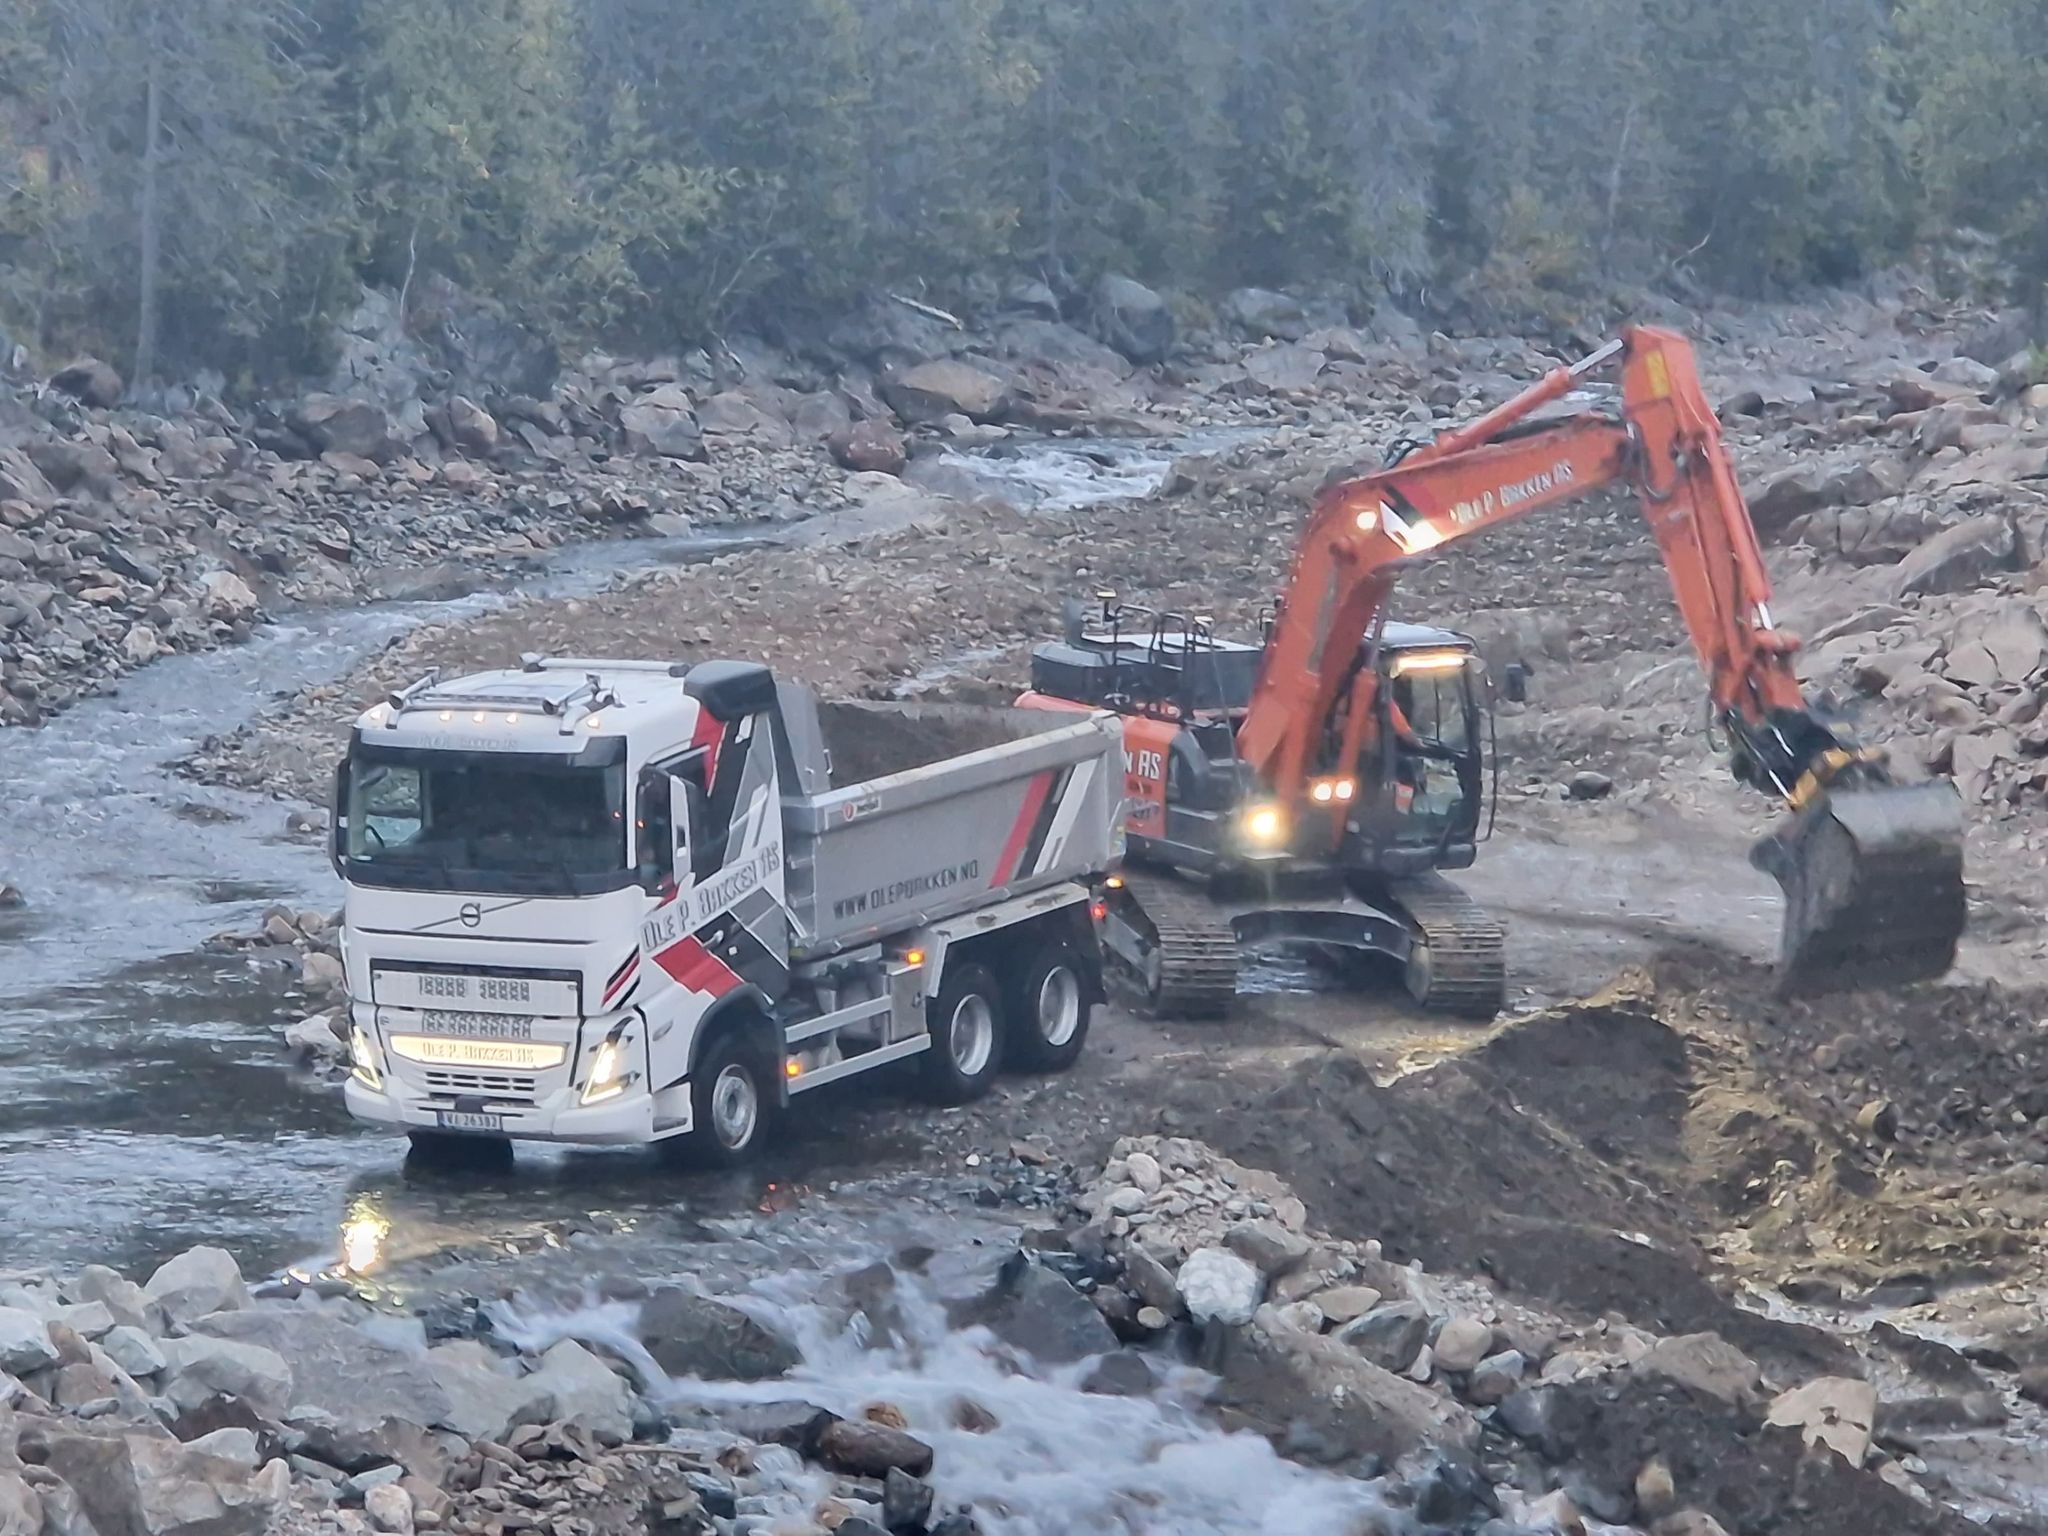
(1640, 1152)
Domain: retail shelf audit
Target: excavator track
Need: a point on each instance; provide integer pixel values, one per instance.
(1190, 969)
(1459, 963)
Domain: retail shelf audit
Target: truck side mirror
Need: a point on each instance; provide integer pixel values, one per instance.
(337, 821)
(654, 833)
(1514, 683)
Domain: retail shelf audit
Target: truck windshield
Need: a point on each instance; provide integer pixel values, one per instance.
(524, 823)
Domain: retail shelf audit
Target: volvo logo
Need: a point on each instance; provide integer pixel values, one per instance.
(471, 914)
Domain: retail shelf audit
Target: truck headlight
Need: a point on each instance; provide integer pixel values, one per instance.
(607, 1073)
(362, 1056)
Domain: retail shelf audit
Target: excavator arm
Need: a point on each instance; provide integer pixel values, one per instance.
(1872, 871)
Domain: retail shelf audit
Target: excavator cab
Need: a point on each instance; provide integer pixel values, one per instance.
(1426, 770)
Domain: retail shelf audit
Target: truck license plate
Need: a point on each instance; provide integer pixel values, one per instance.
(465, 1120)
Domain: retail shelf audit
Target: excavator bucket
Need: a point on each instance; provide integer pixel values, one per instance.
(1873, 881)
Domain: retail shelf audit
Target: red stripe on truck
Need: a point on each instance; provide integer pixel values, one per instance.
(695, 967)
(1020, 834)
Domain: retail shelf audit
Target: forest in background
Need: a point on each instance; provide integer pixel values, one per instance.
(207, 183)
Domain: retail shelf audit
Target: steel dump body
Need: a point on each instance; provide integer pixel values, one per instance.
(955, 807)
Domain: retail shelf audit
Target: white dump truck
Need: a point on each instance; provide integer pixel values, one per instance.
(615, 902)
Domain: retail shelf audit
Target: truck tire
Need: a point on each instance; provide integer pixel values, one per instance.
(966, 1024)
(1050, 1005)
(732, 1101)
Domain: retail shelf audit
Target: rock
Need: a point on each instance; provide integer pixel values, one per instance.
(1144, 1172)
(944, 387)
(866, 1449)
(1656, 1492)
(337, 424)
(737, 413)
(358, 1380)
(1690, 1522)
(694, 1336)
(142, 644)
(906, 1502)
(320, 973)
(1497, 1376)
(1346, 1303)
(473, 429)
(390, 1510)
(1586, 784)
(1790, 496)
(90, 382)
(587, 1392)
(1286, 369)
(1391, 1337)
(144, 1486)
(485, 1401)
(1268, 1246)
(21, 1507)
(21, 482)
(1151, 1280)
(1124, 1373)
(1039, 1312)
(1974, 765)
(1462, 1343)
(314, 1037)
(134, 1351)
(1880, 1117)
(1707, 1363)
(11, 899)
(1968, 372)
(1834, 1411)
(1328, 1397)
(130, 1305)
(870, 447)
(234, 1444)
(24, 1342)
(1133, 319)
(663, 422)
(1260, 314)
(1958, 558)
(1216, 1285)
(200, 1368)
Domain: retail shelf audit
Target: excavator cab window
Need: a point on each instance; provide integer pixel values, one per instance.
(1431, 769)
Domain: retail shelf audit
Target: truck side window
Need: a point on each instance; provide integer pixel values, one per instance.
(656, 829)
(672, 799)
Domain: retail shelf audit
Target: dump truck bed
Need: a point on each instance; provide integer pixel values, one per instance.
(910, 813)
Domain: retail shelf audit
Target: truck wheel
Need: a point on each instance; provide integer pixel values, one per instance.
(731, 1103)
(1049, 1010)
(966, 1023)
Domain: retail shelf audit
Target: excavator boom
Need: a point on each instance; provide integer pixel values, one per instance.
(1871, 870)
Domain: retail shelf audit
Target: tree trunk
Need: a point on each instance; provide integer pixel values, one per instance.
(152, 135)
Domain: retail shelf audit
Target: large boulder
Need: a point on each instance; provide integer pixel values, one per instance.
(1336, 1406)
(663, 422)
(199, 1369)
(201, 1280)
(1958, 558)
(141, 1485)
(943, 387)
(341, 424)
(1064, 351)
(24, 1342)
(1216, 1285)
(694, 1336)
(90, 382)
(1285, 369)
(1034, 1310)
(473, 429)
(360, 1381)
(739, 413)
(1133, 319)
(21, 481)
(587, 1392)
(1260, 314)
(870, 447)
(487, 1401)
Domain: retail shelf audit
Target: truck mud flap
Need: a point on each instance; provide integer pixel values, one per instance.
(1873, 882)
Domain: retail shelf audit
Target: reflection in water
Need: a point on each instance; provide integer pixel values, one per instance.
(363, 1236)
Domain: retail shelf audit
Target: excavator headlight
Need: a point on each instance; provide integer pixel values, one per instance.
(1323, 792)
(1345, 789)
(1429, 661)
(1265, 825)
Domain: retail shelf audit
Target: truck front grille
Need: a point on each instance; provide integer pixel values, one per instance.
(515, 1087)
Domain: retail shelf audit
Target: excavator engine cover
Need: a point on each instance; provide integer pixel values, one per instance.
(1873, 882)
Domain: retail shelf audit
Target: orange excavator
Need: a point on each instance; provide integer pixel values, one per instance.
(1311, 787)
